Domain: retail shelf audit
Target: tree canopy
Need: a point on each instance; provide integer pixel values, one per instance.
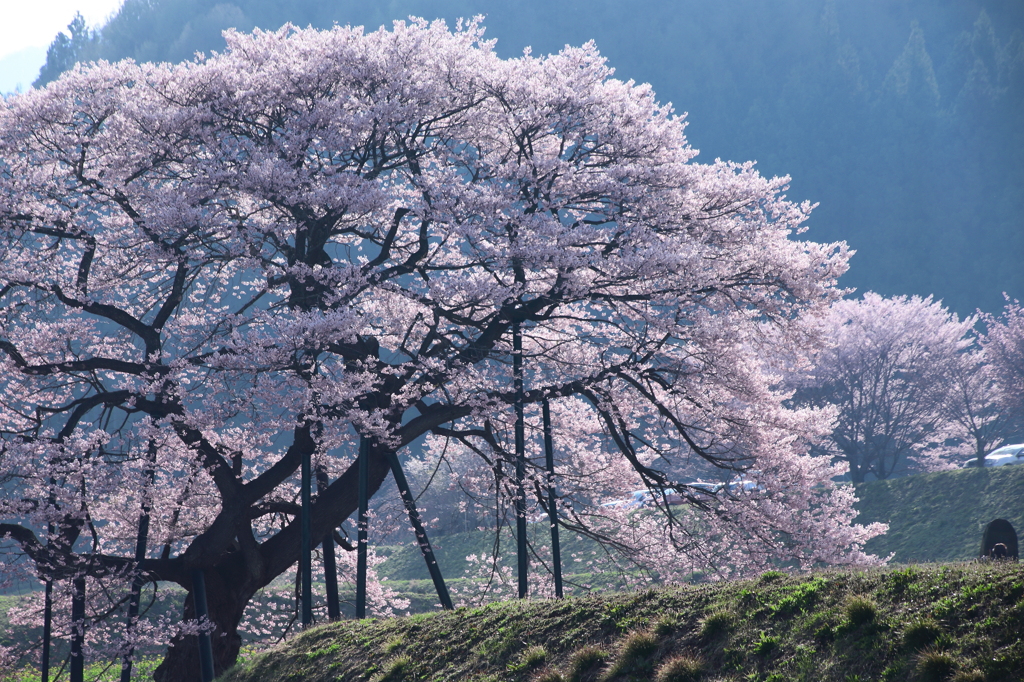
(209, 270)
(899, 116)
(889, 366)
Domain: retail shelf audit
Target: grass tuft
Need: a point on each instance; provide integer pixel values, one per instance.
(666, 625)
(534, 657)
(935, 666)
(860, 611)
(716, 624)
(635, 655)
(969, 676)
(772, 576)
(394, 643)
(680, 669)
(638, 645)
(396, 670)
(585, 665)
(921, 633)
(765, 644)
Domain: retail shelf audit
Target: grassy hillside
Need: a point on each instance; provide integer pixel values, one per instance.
(940, 516)
(406, 562)
(954, 622)
(931, 517)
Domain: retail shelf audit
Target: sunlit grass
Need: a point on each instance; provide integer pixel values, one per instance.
(94, 672)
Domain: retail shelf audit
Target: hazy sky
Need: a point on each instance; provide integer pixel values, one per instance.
(27, 27)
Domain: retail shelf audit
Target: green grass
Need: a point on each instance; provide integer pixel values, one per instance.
(405, 563)
(94, 672)
(940, 516)
(955, 622)
(932, 517)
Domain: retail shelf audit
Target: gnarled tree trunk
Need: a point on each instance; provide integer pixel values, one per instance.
(227, 595)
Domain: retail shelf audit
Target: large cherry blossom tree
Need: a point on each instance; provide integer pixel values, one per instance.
(209, 270)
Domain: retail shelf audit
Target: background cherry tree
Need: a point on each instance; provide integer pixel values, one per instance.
(1004, 348)
(209, 270)
(891, 367)
(976, 403)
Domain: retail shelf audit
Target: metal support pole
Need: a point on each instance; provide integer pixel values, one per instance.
(77, 667)
(330, 564)
(421, 532)
(362, 523)
(517, 380)
(306, 551)
(549, 456)
(202, 614)
(141, 541)
(135, 595)
(47, 630)
(48, 605)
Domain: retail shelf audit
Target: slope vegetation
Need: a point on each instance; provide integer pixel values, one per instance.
(941, 516)
(931, 517)
(953, 622)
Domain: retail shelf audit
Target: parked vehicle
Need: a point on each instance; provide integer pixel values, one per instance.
(639, 499)
(617, 504)
(671, 497)
(708, 487)
(1008, 454)
(738, 486)
(537, 517)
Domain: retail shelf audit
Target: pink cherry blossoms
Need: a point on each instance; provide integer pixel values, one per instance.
(210, 269)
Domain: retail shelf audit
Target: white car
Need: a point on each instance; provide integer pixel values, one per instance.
(705, 486)
(636, 499)
(639, 499)
(644, 498)
(1008, 454)
(618, 504)
(744, 486)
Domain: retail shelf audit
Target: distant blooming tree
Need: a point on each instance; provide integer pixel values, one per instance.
(1003, 345)
(888, 366)
(975, 403)
(210, 270)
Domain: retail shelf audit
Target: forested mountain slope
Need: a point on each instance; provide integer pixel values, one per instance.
(901, 118)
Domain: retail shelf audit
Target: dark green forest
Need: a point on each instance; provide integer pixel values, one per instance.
(902, 118)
